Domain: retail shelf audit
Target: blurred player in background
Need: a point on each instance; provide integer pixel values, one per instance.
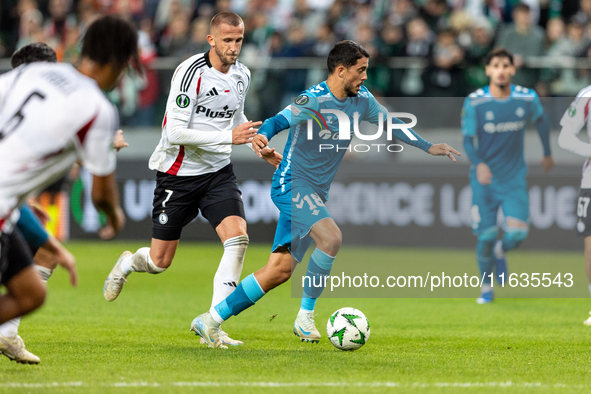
(48, 252)
(300, 190)
(494, 119)
(573, 121)
(204, 117)
(52, 115)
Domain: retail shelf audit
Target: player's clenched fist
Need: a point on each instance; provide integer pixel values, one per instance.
(243, 133)
(444, 150)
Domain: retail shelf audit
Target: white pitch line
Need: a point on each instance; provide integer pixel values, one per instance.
(508, 384)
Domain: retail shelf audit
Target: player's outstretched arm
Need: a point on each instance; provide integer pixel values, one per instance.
(444, 150)
(243, 133)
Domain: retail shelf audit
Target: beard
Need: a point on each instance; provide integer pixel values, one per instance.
(226, 60)
(350, 92)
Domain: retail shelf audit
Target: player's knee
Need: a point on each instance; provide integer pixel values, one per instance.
(331, 242)
(514, 236)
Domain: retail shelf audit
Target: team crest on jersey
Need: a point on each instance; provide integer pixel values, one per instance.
(489, 115)
(240, 87)
(520, 112)
(163, 218)
(571, 111)
(301, 100)
(182, 100)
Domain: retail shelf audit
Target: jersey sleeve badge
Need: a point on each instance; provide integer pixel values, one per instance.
(302, 99)
(182, 100)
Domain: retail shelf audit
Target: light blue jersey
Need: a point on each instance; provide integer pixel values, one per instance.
(302, 159)
(499, 124)
(302, 181)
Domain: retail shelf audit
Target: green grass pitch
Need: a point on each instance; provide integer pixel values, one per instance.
(141, 342)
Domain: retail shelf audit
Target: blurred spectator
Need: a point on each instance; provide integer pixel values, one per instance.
(443, 77)
(462, 24)
(522, 39)
(198, 42)
(489, 9)
(307, 18)
(325, 40)
(169, 10)
(554, 32)
(584, 14)
(481, 44)
(259, 31)
(402, 11)
(176, 37)
(565, 81)
(434, 13)
(297, 44)
(419, 38)
(60, 21)
(391, 40)
(31, 28)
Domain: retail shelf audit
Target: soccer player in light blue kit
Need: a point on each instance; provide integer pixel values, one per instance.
(301, 184)
(494, 119)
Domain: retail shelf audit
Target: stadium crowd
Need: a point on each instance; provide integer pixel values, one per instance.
(449, 38)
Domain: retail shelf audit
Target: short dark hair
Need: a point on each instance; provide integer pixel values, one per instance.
(345, 53)
(522, 7)
(35, 52)
(226, 17)
(498, 52)
(111, 39)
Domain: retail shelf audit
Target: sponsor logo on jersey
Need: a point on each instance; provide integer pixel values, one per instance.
(182, 100)
(210, 113)
(503, 127)
(571, 111)
(301, 100)
(181, 111)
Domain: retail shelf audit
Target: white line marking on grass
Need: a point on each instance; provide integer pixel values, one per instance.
(467, 385)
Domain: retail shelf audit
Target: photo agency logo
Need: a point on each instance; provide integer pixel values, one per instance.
(335, 125)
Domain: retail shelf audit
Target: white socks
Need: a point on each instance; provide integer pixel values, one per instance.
(227, 276)
(10, 328)
(140, 261)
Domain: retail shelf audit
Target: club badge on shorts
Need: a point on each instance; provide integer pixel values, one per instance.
(163, 218)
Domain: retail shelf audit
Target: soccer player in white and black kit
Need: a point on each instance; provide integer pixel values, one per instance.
(573, 121)
(52, 115)
(204, 117)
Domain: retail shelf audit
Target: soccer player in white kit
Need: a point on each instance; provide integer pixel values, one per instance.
(52, 115)
(204, 117)
(573, 121)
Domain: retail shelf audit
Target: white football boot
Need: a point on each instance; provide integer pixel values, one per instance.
(116, 279)
(14, 349)
(226, 340)
(208, 329)
(304, 327)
